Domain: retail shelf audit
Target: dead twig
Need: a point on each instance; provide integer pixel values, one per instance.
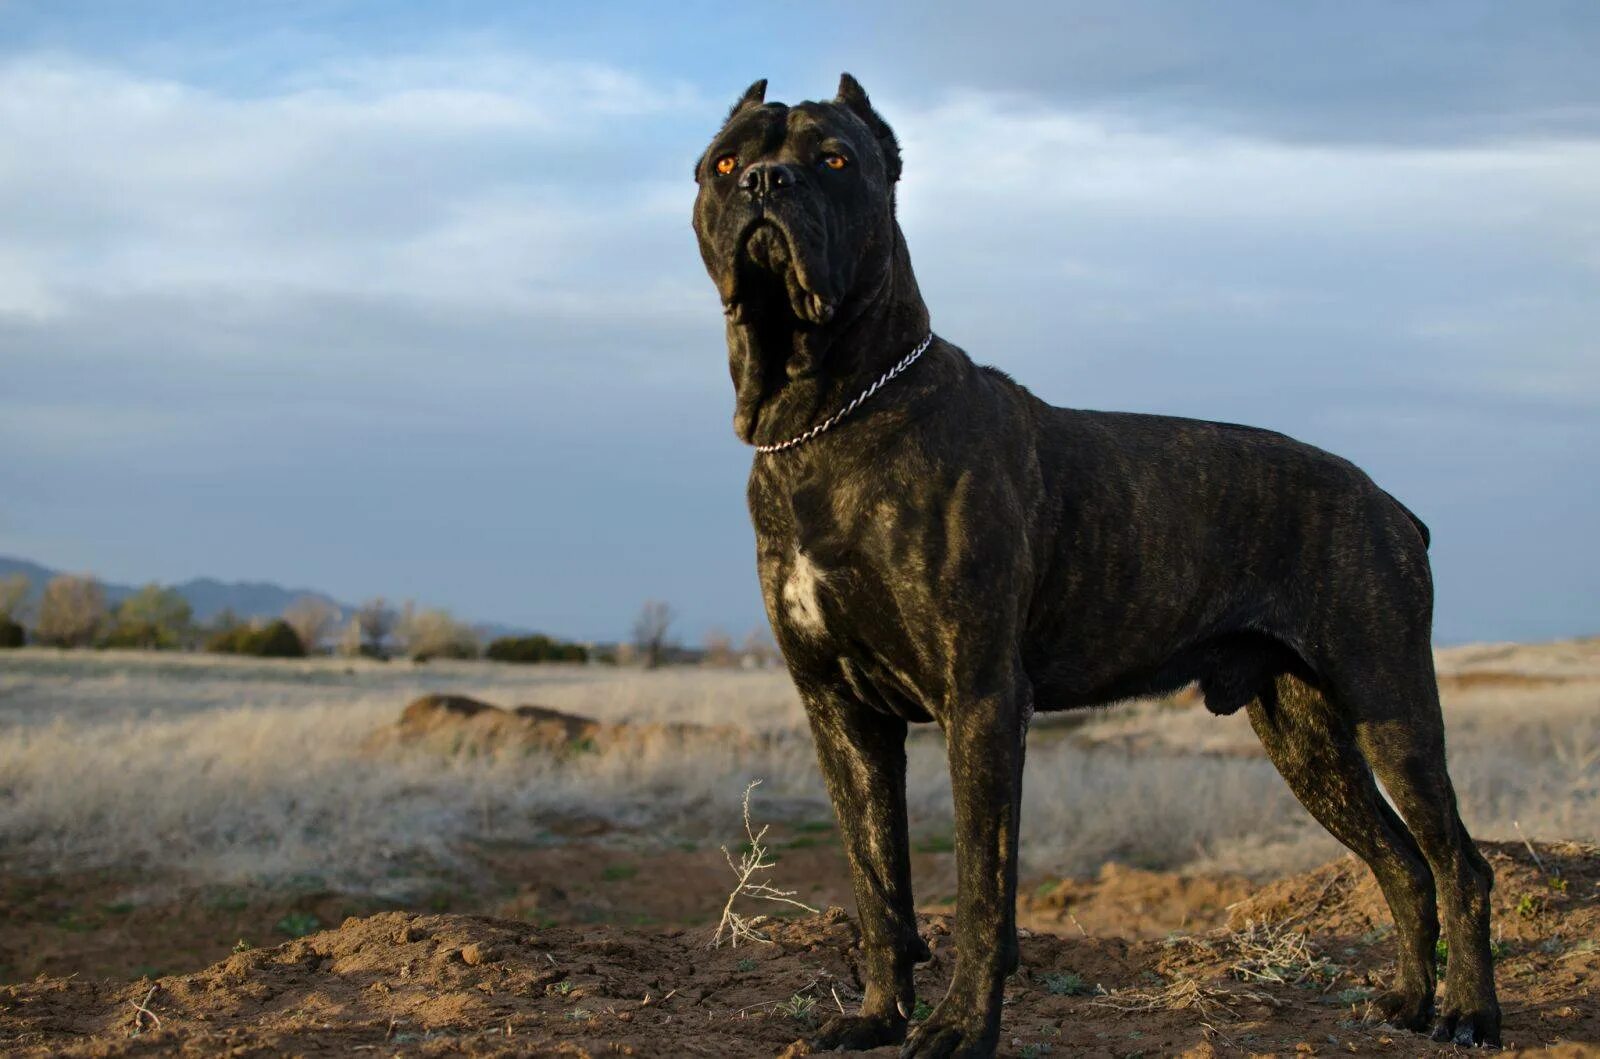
(141, 1011)
(1531, 851)
(733, 925)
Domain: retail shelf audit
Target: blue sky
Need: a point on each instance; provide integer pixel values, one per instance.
(404, 300)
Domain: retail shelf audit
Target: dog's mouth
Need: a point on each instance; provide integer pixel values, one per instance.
(770, 277)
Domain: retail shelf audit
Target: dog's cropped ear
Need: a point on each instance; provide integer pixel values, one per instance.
(854, 97)
(753, 96)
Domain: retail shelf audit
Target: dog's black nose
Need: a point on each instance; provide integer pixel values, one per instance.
(764, 178)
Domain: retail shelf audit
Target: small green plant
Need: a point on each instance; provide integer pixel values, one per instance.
(226, 900)
(298, 924)
(1354, 995)
(564, 987)
(747, 965)
(1499, 950)
(921, 1012)
(619, 872)
(1558, 884)
(76, 924)
(1441, 953)
(799, 1007)
(1034, 1051)
(1530, 905)
(242, 946)
(580, 1014)
(1065, 983)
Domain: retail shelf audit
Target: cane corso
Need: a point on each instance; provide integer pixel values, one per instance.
(937, 544)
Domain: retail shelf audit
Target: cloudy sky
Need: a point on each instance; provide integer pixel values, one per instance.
(406, 302)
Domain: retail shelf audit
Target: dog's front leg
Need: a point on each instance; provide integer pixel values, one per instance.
(863, 758)
(985, 734)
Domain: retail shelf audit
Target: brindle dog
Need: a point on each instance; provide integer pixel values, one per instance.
(955, 550)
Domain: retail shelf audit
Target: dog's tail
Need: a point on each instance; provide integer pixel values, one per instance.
(1422, 527)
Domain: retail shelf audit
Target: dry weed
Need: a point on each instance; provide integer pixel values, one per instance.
(734, 926)
(1185, 994)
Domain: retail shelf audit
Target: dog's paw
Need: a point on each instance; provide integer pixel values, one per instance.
(947, 1037)
(1471, 1029)
(858, 1033)
(1404, 1009)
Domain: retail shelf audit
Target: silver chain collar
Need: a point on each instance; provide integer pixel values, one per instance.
(905, 362)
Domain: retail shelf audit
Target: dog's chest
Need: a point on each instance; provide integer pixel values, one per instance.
(800, 594)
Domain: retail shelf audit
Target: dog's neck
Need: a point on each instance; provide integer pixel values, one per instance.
(790, 375)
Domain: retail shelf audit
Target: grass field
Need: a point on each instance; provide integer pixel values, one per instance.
(219, 770)
(163, 813)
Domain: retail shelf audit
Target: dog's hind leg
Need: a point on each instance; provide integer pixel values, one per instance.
(1401, 732)
(1314, 748)
(863, 759)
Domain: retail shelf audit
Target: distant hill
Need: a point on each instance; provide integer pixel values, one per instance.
(207, 596)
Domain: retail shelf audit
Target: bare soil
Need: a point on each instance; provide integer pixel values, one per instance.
(1279, 968)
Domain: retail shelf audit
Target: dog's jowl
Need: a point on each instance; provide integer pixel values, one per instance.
(936, 544)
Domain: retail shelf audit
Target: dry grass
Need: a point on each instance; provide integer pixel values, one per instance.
(1185, 994)
(246, 771)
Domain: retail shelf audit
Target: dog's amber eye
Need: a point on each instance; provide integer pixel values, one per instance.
(834, 161)
(726, 163)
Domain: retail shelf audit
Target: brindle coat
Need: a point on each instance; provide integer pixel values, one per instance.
(958, 551)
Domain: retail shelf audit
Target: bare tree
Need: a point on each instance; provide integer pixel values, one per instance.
(719, 649)
(71, 610)
(377, 621)
(312, 619)
(436, 634)
(349, 642)
(13, 596)
(650, 631)
(758, 649)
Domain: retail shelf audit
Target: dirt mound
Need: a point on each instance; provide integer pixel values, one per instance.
(1290, 975)
(1133, 903)
(458, 724)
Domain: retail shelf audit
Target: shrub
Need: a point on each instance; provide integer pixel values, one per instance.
(71, 611)
(153, 618)
(276, 639)
(12, 634)
(14, 591)
(535, 648)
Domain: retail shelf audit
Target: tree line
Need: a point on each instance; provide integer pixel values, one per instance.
(72, 611)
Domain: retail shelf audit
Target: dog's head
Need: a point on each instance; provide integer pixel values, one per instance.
(795, 211)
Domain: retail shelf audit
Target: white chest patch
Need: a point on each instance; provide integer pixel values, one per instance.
(800, 591)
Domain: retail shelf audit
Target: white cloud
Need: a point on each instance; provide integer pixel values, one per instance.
(431, 180)
(1095, 223)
